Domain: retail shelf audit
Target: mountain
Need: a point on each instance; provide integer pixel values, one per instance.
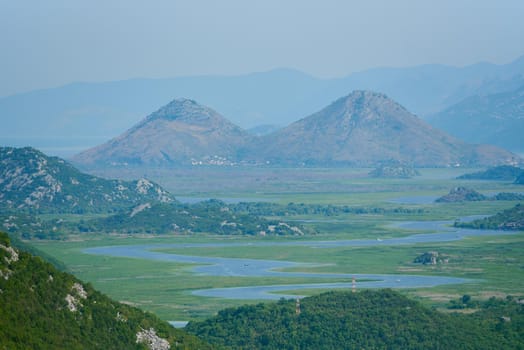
(43, 308)
(365, 129)
(181, 133)
(496, 119)
(77, 116)
(366, 319)
(30, 180)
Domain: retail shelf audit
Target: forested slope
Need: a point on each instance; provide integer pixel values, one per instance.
(43, 308)
(364, 320)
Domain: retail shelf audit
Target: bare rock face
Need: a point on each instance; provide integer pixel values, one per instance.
(182, 132)
(431, 258)
(152, 340)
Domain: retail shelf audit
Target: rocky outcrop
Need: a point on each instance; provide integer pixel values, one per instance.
(75, 296)
(461, 194)
(152, 340)
(394, 171)
(431, 258)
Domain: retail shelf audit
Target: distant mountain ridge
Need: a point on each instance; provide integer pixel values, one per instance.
(496, 119)
(362, 129)
(83, 114)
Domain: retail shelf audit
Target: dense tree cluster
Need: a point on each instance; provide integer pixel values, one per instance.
(211, 216)
(365, 320)
(510, 219)
(463, 194)
(291, 209)
(501, 173)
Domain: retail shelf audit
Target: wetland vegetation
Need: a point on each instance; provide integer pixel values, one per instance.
(336, 204)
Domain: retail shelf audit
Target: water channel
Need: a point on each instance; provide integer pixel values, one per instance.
(222, 266)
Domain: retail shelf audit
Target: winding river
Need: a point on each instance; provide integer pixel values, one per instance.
(220, 266)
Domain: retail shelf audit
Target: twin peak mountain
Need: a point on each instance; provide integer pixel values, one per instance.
(361, 129)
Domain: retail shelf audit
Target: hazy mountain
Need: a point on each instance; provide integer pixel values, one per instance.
(33, 181)
(261, 130)
(496, 119)
(367, 128)
(43, 308)
(81, 115)
(182, 132)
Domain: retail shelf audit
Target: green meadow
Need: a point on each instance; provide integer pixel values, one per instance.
(494, 264)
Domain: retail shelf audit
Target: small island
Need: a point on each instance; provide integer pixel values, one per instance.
(500, 173)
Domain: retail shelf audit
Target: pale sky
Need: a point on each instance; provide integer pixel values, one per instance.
(54, 42)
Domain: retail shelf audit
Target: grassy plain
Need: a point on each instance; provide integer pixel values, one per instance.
(495, 263)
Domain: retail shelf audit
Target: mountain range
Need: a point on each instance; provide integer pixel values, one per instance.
(82, 115)
(362, 129)
(496, 119)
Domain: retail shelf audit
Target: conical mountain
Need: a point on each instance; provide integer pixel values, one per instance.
(182, 132)
(365, 129)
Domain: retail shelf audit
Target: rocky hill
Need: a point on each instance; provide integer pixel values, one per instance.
(497, 119)
(365, 129)
(461, 194)
(180, 133)
(43, 308)
(30, 180)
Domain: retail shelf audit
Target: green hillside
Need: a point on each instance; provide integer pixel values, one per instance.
(43, 308)
(208, 216)
(364, 320)
(510, 219)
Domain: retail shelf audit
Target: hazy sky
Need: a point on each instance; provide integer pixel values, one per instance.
(54, 42)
